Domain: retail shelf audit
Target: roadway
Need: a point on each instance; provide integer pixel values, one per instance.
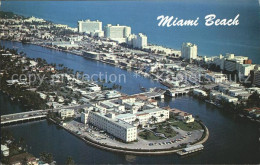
(30, 115)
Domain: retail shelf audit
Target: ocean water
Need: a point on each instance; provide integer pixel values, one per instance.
(243, 39)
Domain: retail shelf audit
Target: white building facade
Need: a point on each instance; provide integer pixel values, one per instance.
(118, 33)
(65, 113)
(139, 41)
(189, 51)
(89, 27)
(116, 127)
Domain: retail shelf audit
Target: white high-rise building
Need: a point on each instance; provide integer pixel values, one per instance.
(88, 26)
(232, 62)
(189, 51)
(118, 32)
(140, 41)
(244, 69)
(130, 39)
(116, 127)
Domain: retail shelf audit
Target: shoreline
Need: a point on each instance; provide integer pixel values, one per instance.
(150, 76)
(165, 45)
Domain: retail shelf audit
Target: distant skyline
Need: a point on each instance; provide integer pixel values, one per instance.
(141, 16)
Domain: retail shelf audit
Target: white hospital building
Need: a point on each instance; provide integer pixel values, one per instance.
(120, 117)
(112, 125)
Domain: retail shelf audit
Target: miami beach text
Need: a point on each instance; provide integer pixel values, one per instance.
(210, 20)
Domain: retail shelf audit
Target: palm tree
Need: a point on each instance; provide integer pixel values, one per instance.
(46, 157)
(162, 115)
(81, 73)
(154, 119)
(60, 65)
(137, 121)
(70, 161)
(169, 130)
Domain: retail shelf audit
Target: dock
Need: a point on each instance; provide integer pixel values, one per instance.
(191, 149)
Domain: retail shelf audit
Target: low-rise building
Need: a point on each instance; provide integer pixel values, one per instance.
(199, 92)
(181, 115)
(128, 117)
(216, 77)
(237, 92)
(151, 116)
(125, 99)
(112, 94)
(65, 113)
(4, 150)
(227, 98)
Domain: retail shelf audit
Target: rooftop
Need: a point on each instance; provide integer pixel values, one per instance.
(190, 148)
(125, 115)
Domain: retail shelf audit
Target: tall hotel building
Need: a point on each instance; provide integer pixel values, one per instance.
(255, 77)
(189, 51)
(117, 33)
(88, 26)
(140, 41)
(137, 41)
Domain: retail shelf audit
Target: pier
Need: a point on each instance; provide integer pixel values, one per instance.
(191, 149)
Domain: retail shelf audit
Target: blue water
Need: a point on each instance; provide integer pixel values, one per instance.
(232, 139)
(243, 39)
(129, 81)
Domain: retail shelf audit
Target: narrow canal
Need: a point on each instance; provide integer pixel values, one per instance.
(232, 139)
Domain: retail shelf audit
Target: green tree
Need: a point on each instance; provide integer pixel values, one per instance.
(70, 161)
(161, 115)
(154, 119)
(46, 157)
(253, 100)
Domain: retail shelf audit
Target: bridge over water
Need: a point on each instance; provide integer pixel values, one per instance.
(32, 115)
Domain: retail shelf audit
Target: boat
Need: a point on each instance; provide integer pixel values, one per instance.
(143, 89)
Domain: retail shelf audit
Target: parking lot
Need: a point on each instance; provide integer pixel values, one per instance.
(183, 137)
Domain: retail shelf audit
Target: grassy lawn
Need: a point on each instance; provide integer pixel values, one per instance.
(166, 132)
(147, 135)
(186, 126)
